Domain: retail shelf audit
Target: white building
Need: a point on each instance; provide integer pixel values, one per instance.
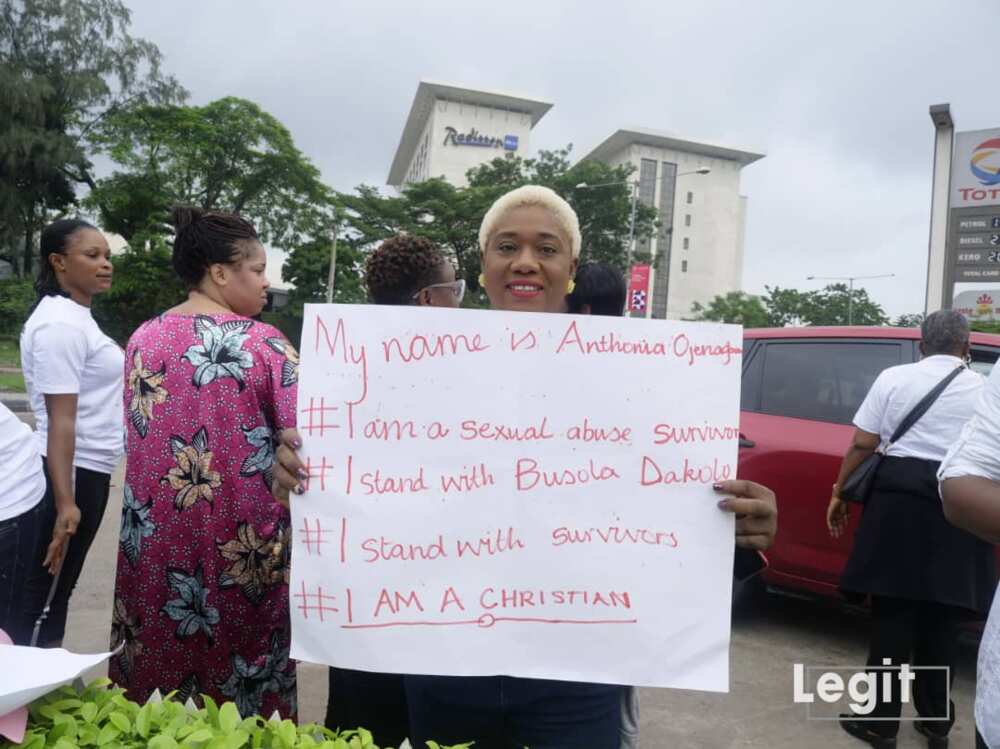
(698, 250)
(452, 129)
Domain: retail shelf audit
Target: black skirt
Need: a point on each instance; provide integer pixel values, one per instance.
(905, 548)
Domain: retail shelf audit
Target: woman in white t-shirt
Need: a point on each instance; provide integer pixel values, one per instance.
(74, 377)
(970, 488)
(21, 523)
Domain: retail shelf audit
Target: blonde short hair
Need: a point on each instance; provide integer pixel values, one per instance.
(532, 195)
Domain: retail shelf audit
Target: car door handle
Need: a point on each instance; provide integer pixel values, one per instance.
(744, 442)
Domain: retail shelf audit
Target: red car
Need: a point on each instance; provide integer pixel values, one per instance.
(801, 389)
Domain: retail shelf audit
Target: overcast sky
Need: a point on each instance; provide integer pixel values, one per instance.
(836, 94)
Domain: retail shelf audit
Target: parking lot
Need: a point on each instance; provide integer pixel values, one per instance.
(768, 637)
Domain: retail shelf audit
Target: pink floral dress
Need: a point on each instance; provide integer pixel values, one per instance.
(201, 593)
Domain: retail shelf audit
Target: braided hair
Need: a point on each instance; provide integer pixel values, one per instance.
(54, 240)
(204, 238)
(400, 267)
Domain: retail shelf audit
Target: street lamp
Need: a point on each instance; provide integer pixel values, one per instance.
(850, 294)
(635, 197)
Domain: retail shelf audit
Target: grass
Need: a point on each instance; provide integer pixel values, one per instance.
(10, 355)
(11, 382)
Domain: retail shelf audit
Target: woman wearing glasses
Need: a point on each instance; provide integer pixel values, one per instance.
(407, 269)
(404, 270)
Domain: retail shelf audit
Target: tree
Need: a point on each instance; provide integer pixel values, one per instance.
(914, 320)
(736, 308)
(308, 269)
(144, 285)
(784, 306)
(64, 66)
(837, 305)
(228, 155)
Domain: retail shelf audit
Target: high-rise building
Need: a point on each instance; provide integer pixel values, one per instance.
(697, 251)
(451, 129)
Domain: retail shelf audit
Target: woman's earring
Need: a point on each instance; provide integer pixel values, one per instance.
(482, 280)
(571, 286)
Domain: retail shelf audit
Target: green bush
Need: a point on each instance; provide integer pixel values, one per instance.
(16, 297)
(101, 716)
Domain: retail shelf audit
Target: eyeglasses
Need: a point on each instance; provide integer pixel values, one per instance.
(457, 289)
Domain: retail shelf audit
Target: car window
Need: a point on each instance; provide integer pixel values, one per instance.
(824, 381)
(982, 360)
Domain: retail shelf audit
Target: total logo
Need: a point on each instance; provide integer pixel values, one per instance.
(985, 167)
(987, 173)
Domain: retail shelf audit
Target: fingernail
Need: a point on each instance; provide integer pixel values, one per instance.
(302, 473)
(299, 489)
(723, 504)
(717, 487)
(296, 443)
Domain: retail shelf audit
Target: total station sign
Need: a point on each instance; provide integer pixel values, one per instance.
(975, 171)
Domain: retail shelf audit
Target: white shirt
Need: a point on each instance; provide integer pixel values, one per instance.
(976, 453)
(898, 389)
(63, 351)
(24, 482)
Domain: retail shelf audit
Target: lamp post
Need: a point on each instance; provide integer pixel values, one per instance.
(635, 199)
(333, 259)
(850, 288)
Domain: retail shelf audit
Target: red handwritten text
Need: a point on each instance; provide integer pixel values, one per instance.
(652, 474)
(528, 475)
(432, 347)
(613, 534)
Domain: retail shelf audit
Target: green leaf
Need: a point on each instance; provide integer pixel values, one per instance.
(162, 742)
(88, 712)
(237, 739)
(119, 721)
(287, 734)
(87, 735)
(143, 720)
(211, 710)
(108, 734)
(228, 717)
(202, 734)
(65, 743)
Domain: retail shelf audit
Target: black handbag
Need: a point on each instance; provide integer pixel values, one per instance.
(858, 485)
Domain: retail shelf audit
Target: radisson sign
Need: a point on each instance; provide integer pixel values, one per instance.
(475, 138)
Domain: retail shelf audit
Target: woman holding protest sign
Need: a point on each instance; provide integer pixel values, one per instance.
(530, 243)
(201, 593)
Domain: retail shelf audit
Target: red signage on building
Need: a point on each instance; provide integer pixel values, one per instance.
(638, 289)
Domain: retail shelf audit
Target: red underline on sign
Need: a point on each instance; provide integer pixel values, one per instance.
(488, 620)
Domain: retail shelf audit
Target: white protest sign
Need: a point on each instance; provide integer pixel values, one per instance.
(515, 493)
(29, 673)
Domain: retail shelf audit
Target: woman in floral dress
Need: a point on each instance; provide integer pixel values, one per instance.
(201, 594)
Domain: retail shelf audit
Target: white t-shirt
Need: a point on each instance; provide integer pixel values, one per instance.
(24, 482)
(977, 453)
(63, 351)
(898, 389)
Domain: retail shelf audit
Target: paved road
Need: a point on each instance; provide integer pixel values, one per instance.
(758, 712)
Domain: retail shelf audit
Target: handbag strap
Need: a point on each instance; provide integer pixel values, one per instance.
(925, 403)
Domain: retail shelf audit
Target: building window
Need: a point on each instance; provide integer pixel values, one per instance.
(690, 198)
(647, 181)
(687, 243)
(687, 219)
(684, 266)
